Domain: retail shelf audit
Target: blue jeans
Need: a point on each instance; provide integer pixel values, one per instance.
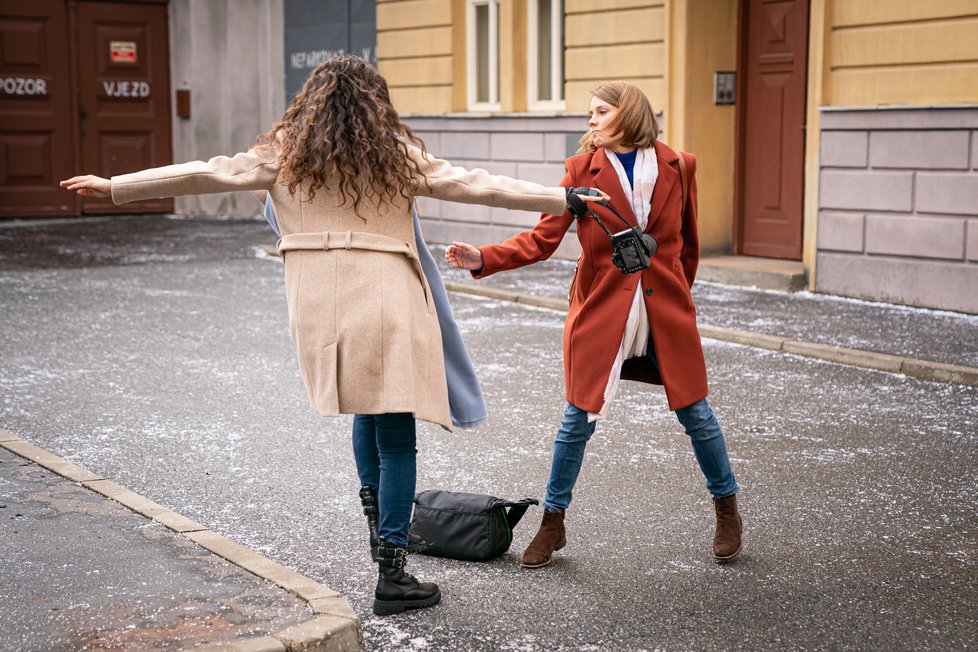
(575, 431)
(384, 446)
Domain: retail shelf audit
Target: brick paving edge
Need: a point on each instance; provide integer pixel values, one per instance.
(335, 626)
(921, 369)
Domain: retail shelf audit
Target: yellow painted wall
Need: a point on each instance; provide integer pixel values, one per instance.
(421, 51)
(512, 55)
(903, 52)
(606, 40)
(705, 31)
(415, 53)
(818, 36)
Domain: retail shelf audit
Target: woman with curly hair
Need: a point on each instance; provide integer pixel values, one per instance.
(343, 171)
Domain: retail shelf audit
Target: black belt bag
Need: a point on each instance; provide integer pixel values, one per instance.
(470, 527)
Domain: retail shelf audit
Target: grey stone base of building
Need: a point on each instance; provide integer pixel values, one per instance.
(898, 206)
(926, 284)
(528, 147)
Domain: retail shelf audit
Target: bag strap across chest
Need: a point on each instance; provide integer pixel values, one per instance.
(684, 182)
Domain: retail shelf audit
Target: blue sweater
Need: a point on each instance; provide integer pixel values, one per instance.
(628, 162)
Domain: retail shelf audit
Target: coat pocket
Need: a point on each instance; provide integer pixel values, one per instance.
(677, 268)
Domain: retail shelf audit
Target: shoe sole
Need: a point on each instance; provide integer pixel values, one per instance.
(728, 558)
(391, 607)
(546, 563)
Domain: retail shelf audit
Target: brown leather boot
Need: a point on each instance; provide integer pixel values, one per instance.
(549, 537)
(726, 541)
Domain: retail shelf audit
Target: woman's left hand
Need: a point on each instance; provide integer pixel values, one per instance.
(89, 185)
(601, 196)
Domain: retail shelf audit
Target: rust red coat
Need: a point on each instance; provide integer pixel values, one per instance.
(603, 295)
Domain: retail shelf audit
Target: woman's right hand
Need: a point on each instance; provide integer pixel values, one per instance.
(89, 185)
(464, 255)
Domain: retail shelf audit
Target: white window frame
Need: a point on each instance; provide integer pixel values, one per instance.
(472, 56)
(556, 57)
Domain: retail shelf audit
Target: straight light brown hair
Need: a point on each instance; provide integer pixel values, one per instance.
(635, 120)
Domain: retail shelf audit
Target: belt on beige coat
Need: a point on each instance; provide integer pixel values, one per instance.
(334, 240)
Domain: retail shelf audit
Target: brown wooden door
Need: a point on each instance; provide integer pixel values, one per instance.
(36, 119)
(124, 94)
(771, 132)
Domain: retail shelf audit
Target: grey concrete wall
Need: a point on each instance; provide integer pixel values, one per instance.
(898, 206)
(230, 55)
(524, 147)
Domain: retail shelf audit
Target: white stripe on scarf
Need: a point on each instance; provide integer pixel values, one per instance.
(635, 340)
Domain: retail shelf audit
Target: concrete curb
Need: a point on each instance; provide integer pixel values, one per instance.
(922, 369)
(335, 627)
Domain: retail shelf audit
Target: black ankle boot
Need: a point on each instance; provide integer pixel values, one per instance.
(368, 498)
(396, 590)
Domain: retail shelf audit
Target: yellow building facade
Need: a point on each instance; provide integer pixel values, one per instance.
(850, 143)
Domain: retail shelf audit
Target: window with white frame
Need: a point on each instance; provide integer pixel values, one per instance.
(483, 54)
(545, 54)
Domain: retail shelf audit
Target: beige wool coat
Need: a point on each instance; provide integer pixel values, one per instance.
(360, 308)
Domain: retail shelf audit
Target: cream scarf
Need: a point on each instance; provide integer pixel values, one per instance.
(635, 341)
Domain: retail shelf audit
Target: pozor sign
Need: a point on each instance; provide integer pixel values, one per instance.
(23, 86)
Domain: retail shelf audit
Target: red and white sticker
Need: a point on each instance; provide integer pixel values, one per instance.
(122, 51)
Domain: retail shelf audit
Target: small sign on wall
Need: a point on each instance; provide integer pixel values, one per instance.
(724, 87)
(122, 51)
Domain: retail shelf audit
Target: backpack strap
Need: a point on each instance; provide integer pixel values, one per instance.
(684, 182)
(517, 509)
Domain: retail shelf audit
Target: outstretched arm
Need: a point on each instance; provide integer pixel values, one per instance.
(88, 185)
(452, 183)
(256, 169)
(522, 249)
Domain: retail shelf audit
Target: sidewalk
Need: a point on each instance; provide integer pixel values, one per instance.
(927, 344)
(84, 572)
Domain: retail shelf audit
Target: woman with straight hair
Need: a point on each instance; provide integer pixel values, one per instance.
(639, 325)
(343, 171)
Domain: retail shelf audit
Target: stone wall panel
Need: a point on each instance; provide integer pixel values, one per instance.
(920, 150)
(925, 237)
(866, 190)
(841, 231)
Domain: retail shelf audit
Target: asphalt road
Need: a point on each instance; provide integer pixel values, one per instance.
(160, 358)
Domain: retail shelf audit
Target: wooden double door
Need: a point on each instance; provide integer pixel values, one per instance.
(84, 87)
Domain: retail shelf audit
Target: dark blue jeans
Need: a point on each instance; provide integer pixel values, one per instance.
(384, 446)
(698, 419)
(575, 431)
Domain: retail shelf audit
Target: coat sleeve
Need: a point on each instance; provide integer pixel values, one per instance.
(453, 183)
(531, 246)
(690, 256)
(256, 169)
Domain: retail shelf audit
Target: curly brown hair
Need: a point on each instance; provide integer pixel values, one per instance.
(342, 124)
